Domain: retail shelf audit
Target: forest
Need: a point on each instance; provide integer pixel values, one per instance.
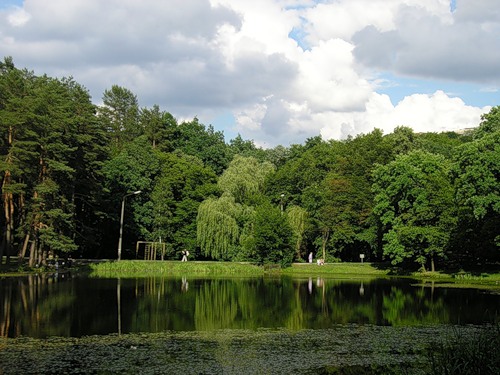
(414, 200)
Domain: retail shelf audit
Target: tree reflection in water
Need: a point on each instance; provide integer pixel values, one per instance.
(39, 306)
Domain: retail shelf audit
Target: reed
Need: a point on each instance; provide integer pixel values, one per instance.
(467, 354)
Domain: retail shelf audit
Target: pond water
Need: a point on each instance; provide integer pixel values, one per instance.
(76, 306)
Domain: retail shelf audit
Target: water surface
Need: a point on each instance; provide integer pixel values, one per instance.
(76, 306)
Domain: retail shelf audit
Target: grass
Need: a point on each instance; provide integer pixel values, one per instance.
(138, 268)
(141, 268)
(337, 270)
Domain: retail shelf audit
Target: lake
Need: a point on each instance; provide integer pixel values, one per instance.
(68, 305)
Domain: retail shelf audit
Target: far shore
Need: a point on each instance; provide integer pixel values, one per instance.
(173, 268)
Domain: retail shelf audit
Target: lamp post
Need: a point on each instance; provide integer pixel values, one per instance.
(281, 202)
(121, 222)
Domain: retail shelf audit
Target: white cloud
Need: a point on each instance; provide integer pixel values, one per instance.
(18, 17)
(207, 57)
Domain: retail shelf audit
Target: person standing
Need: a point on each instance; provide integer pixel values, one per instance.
(184, 256)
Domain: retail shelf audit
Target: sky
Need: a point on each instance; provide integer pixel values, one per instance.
(274, 71)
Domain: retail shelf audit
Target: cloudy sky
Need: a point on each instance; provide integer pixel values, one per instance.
(275, 71)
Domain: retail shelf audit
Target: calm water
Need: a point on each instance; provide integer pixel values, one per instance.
(79, 306)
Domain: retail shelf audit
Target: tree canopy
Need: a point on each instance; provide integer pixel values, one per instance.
(417, 200)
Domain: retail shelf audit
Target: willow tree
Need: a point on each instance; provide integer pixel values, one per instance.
(297, 218)
(244, 178)
(217, 226)
(223, 222)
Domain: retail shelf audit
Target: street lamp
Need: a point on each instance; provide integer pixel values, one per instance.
(121, 222)
(281, 201)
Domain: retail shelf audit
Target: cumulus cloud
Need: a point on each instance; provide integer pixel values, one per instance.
(285, 70)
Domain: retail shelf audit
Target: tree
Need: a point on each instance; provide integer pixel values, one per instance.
(226, 225)
(402, 139)
(306, 167)
(120, 115)
(414, 201)
(247, 148)
(348, 196)
(490, 123)
(158, 126)
(476, 175)
(49, 209)
(218, 229)
(193, 138)
(184, 182)
(53, 150)
(298, 220)
(136, 167)
(91, 144)
(15, 144)
(273, 236)
(244, 178)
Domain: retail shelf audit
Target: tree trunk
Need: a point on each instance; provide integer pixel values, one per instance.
(8, 205)
(22, 252)
(326, 235)
(433, 268)
(32, 260)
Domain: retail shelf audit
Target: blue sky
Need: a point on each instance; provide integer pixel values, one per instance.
(471, 93)
(7, 3)
(275, 71)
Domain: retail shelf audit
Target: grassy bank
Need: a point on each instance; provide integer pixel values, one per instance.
(341, 270)
(142, 268)
(138, 268)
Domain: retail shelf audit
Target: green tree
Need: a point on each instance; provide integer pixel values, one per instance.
(490, 123)
(184, 182)
(53, 149)
(247, 148)
(226, 225)
(195, 139)
(278, 155)
(403, 140)
(306, 167)
(135, 168)
(120, 116)
(477, 177)
(414, 200)
(91, 150)
(49, 206)
(244, 178)
(218, 229)
(298, 221)
(273, 236)
(159, 126)
(349, 199)
(15, 147)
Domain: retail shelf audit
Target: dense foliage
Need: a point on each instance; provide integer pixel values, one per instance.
(418, 200)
